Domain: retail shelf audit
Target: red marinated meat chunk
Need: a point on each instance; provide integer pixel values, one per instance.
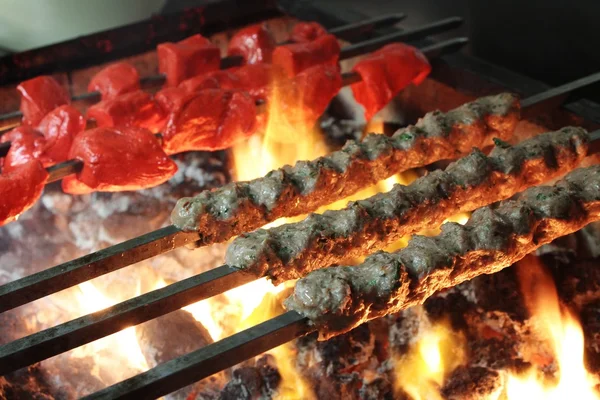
(115, 80)
(255, 79)
(118, 159)
(386, 72)
(172, 99)
(59, 127)
(307, 32)
(213, 120)
(188, 58)
(296, 57)
(20, 188)
(129, 109)
(39, 96)
(254, 43)
(212, 80)
(26, 144)
(303, 99)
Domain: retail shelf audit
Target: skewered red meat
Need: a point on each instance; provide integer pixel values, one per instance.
(172, 99)
(129, 109)
(39, 96)
(214, 119)
(188, 58)
(296, 57)
(386, 72)
(255, 79)
(255, 43)
(115, 80)
(211, 80)
(118, 159)
(307, 32)
(20, 189)
(27, 144)
(59, 127)
(304, 98)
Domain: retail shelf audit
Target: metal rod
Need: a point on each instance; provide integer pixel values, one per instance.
(50, 342)
(232, 61)
(182, 371)
(560, 90)
(63, 276)
(59, 171)
(419, 33)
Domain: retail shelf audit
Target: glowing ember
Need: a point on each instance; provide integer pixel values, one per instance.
(562, 330)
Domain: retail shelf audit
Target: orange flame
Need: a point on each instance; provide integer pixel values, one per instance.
(561, 329)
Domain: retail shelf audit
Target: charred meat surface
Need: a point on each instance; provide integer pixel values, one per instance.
(289, 191)
(291, 251)
(338, 299)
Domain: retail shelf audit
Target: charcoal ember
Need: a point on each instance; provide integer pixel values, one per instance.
(496, 341)
(253, 382)
(407, 328)
(73, 377)
(339, 386)
(450, 305)
(339, 131)
(336, 354)
(26, 384)
(473, 383)
(267, 367)
(501, 292)
(588, 240)
(590, 322)
(577, 281)
(171, 336)
(379, 388)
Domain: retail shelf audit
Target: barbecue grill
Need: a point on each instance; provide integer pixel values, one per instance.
(455, 79)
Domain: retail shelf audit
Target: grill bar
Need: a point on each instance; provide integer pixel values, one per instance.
(561, 90)
(112, 258)
(69, 335)
(208, 360)
(231, 61)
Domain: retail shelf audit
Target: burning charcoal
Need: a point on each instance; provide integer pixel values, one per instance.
(337, 354)
(407, 327)
(590, 321)
(379, 388)
(451, 304)
(577, 281)
(343, 386)
(268, 370)
(473, 383)
(173, 335)
(501, 292)
(26, 384)
(248, 383)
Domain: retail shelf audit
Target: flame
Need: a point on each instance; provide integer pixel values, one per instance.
(421, 372)
(124, 343)
(560, 328)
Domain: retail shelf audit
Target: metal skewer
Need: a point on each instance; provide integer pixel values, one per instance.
(344, 31)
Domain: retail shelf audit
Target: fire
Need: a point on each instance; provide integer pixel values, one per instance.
(563, 332)
(421, 372)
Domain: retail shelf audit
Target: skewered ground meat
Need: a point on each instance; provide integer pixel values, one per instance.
(244, 206)
(254, 43)
(39, 96)
(114, 80)
(291, 251)
(118, 159)
(338, 299)
(20, 189)
(188, 58)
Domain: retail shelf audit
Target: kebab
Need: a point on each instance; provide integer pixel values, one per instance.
(290, 251)
(182, 133)
(339, 298)
(188, 230)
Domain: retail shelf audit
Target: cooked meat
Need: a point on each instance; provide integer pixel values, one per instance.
(337, 299)
(118, 159)
(39, 96)
(385, 72)
(244, 206)
(114, 80)
(294, 58)
(307, 32)
(20, 188)
(60, 127)
(254, 43)
(291, 251)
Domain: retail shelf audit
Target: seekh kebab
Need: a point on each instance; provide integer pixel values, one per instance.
(244, 206)
(291, 251)
(338, 299)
